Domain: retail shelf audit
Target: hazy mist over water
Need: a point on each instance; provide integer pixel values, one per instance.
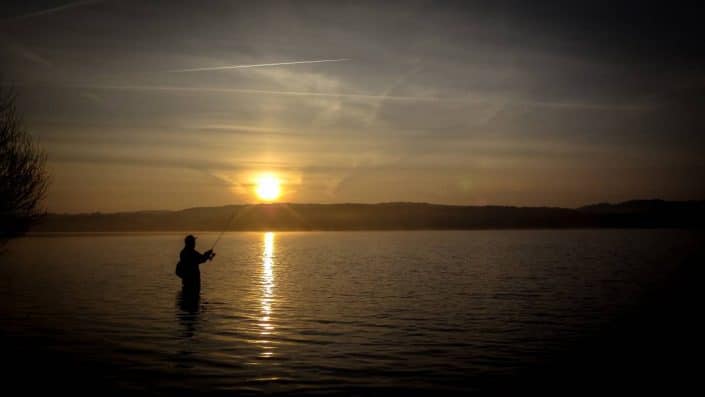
(344, 312)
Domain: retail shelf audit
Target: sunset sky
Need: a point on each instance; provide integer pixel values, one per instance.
(174, 104)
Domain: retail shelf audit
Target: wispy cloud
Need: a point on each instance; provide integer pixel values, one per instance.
(170, 88)
(259, 65)
(54, 10)
(502, 102)
(23, 51)
(595, 106)
(143, 160)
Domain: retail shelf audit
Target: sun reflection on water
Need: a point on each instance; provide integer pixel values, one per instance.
(267, 282)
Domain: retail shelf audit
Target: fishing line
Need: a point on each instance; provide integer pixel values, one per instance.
(224, 229)
(232, 217)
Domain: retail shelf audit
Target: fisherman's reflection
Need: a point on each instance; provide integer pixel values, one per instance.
(189, 303)
(188, 315)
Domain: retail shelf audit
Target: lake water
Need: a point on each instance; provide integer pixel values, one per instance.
(348, 312)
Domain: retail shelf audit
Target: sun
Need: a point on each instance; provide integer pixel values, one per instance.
(268, 187)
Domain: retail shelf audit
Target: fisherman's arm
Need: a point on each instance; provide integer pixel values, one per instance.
(206, 256)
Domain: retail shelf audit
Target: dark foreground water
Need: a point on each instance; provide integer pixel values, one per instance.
(355, 313)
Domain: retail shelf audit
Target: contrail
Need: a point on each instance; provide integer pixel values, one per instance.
(255, 65)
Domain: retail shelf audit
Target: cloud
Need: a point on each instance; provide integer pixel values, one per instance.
(375, 98)
(54, 10)
(24, 51)
(231, 67)
(172, 88)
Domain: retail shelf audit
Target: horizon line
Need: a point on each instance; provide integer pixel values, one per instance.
(372, 204)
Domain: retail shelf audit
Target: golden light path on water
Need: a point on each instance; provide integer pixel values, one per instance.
(267, 282)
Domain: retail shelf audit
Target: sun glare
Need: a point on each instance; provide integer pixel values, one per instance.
(268, 187)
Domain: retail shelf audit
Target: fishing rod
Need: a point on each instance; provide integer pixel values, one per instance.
(224, 229)
(232, 217)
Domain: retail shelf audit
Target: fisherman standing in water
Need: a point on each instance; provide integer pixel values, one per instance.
(188, 266)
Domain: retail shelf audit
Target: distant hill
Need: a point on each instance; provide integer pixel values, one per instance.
(648, 213)
(386, 216)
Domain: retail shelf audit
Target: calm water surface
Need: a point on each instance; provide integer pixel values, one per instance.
(325, 312)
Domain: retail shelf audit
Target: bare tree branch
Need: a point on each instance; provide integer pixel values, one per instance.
(23, 176)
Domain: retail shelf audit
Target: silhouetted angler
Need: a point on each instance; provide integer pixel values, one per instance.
(188, 266)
